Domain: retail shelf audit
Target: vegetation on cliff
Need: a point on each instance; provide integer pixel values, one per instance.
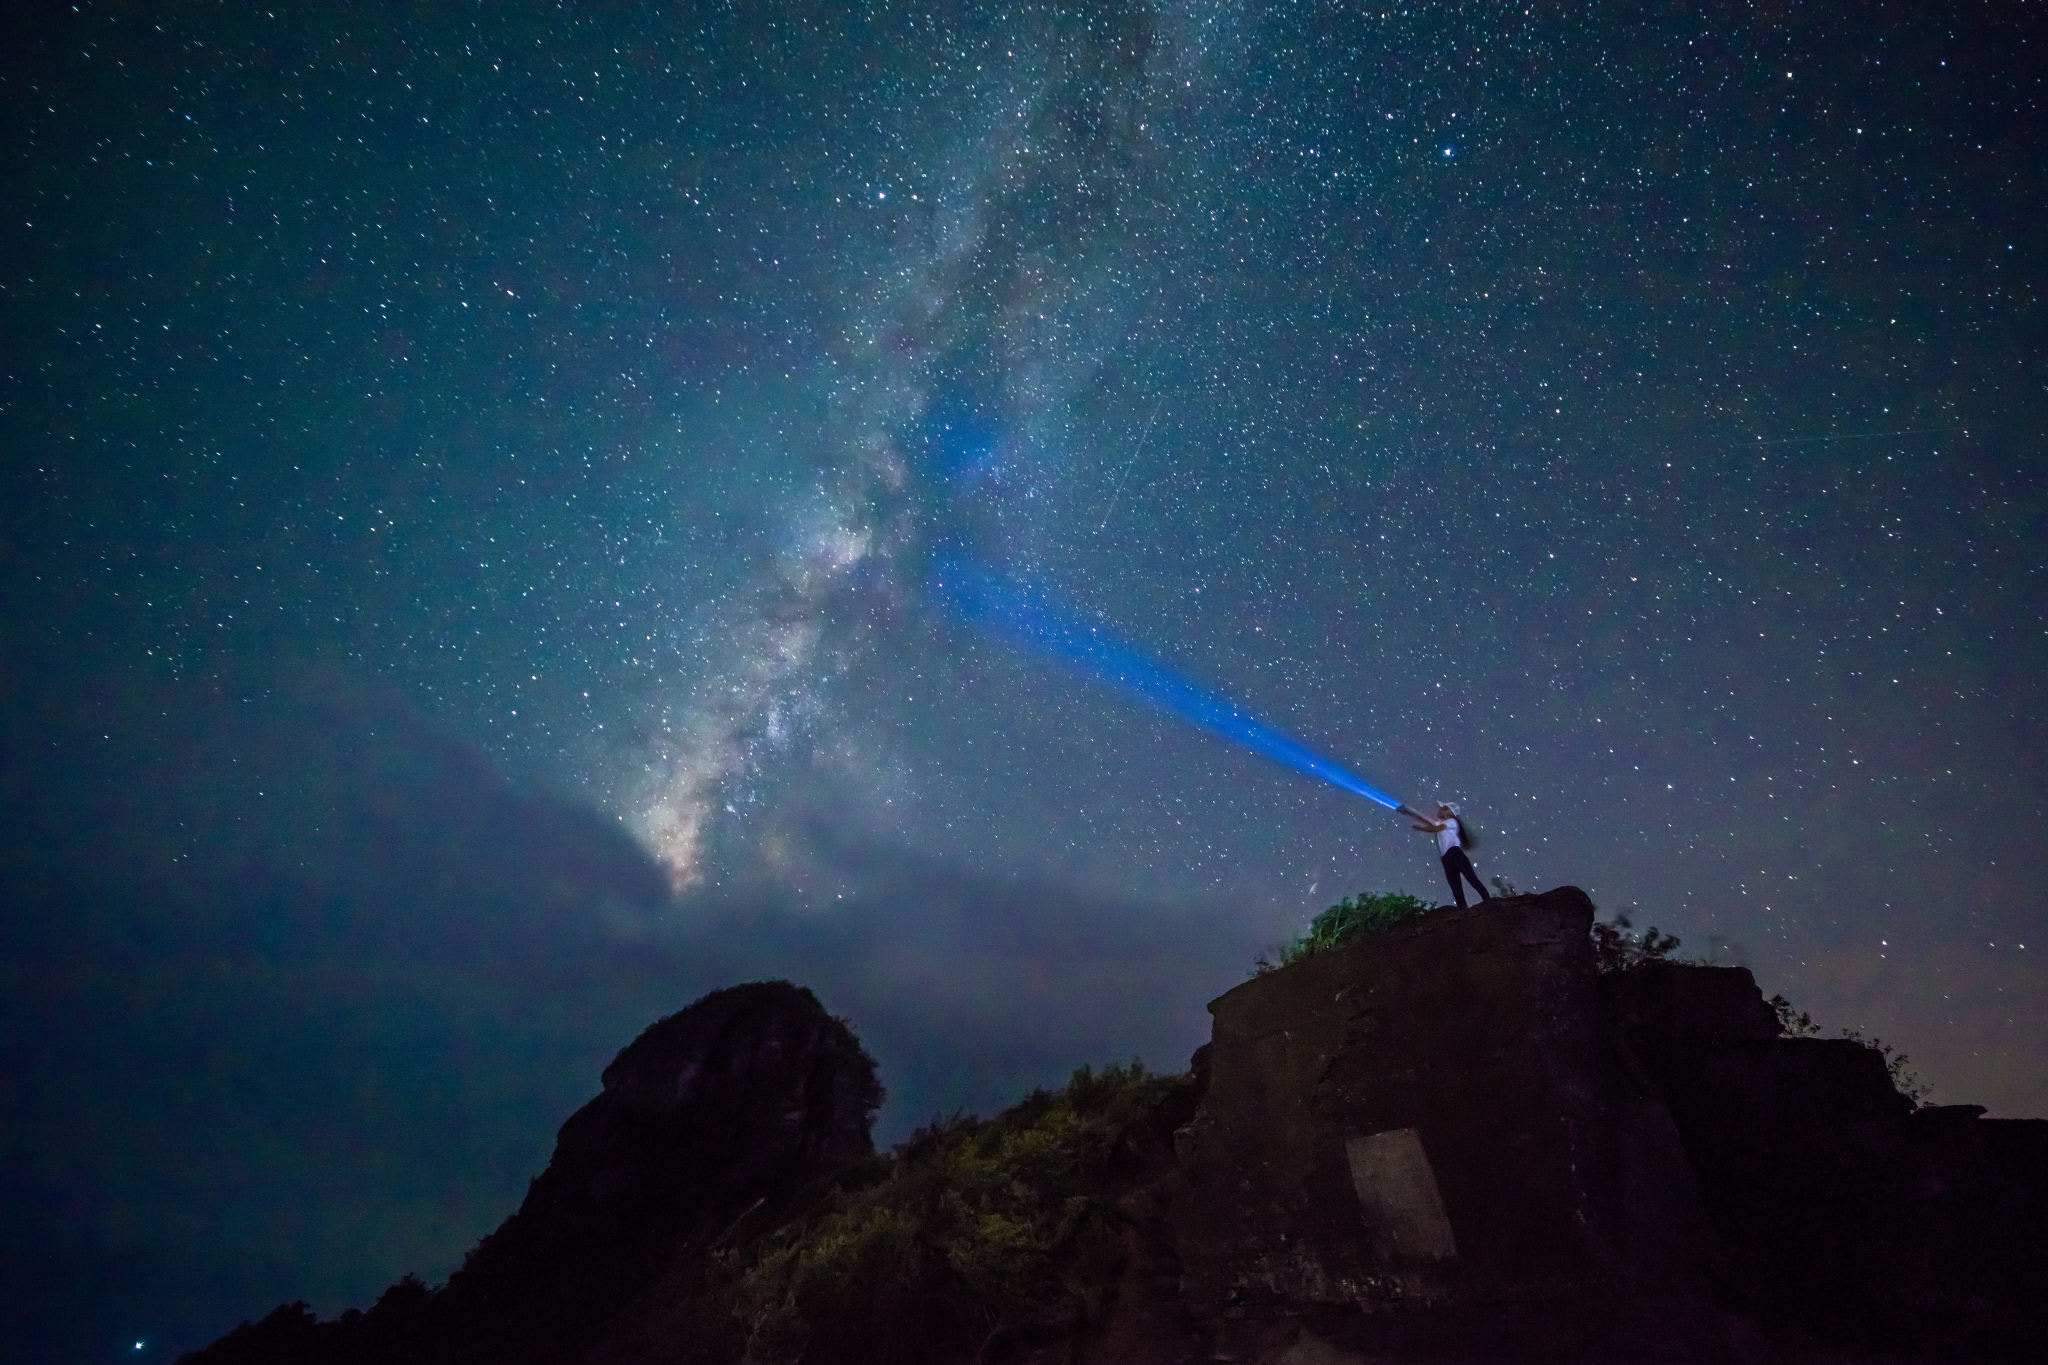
(1347, 922)
(973, 1234)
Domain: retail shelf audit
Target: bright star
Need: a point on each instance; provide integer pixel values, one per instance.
(1447, 151)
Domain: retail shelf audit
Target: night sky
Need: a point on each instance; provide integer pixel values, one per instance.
(474, 475)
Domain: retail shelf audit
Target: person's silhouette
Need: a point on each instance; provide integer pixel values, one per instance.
(1450, 842)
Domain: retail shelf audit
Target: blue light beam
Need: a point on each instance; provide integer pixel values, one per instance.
(1022, 616)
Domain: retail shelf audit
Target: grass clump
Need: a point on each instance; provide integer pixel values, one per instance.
(1345, 923)
(980, 1232)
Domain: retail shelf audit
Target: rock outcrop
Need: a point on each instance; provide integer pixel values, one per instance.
(717, 1113)
(1429, 1145)
(1457, 1140)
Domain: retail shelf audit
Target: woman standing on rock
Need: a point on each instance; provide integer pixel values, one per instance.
(1450, 842)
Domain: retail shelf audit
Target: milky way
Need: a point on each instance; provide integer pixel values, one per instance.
(996, 304)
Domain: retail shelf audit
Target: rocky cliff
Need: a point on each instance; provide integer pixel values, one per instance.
(723, 1111)
(1456, 1140)
(1434, 1145)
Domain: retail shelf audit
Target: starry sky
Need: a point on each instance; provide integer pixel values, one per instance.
(475, 474)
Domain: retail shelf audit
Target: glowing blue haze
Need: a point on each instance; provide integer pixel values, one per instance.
(1024, 616)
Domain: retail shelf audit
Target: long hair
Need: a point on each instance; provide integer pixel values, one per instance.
(1468, 838)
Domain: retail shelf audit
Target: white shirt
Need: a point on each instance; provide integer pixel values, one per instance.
(1449, 837)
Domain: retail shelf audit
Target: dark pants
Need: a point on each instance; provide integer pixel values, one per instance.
(1456, 863)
